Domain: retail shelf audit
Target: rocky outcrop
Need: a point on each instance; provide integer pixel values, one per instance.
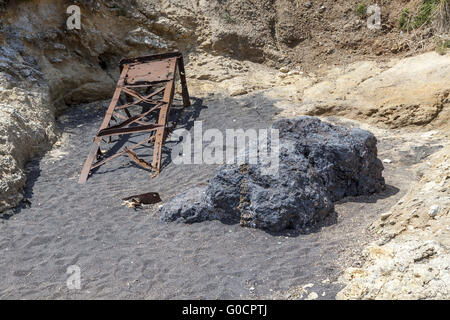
(409, 269)
(411, 259)
(81, 65)
(410, 92)
(319, 163)
(26, 123)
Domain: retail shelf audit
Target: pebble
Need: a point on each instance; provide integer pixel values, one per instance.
(429, 133)
(385, 215)
(312, 296)
(309, 285)
(387, 160)
(434, 210)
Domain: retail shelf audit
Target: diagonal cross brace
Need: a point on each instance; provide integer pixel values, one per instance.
(152, 75)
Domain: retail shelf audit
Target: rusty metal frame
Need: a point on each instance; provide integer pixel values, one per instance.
(141, 81)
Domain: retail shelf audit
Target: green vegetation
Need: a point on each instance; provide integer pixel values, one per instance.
(122, 12)
(427, 10)
(442, 45)
(228, 18)
(361, 10)
(404, 20)
(443, 16)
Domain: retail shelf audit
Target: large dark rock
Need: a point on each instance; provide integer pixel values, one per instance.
(319, 163)
(190, 206)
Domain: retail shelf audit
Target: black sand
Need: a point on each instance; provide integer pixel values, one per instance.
(125, 253)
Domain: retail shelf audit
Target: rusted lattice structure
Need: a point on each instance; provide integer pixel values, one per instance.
(141, 103)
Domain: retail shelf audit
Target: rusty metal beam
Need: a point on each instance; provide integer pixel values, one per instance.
(97, 140)
(141, 80)
(137, 201)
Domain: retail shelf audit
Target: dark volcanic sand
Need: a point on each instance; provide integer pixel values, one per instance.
(126, 254)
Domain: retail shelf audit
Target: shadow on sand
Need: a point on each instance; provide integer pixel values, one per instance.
(33, 173)
(184, 116)
(331, 218)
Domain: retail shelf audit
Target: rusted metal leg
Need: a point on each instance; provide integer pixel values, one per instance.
(160, 133)
(97, 140)
(141, 83)
(184, 88)
(90, 159)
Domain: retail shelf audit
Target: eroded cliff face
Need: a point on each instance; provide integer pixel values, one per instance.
(81, 65)
(411, 259)
(26, 124)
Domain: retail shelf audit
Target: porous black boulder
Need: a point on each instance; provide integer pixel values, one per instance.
(319, 163)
